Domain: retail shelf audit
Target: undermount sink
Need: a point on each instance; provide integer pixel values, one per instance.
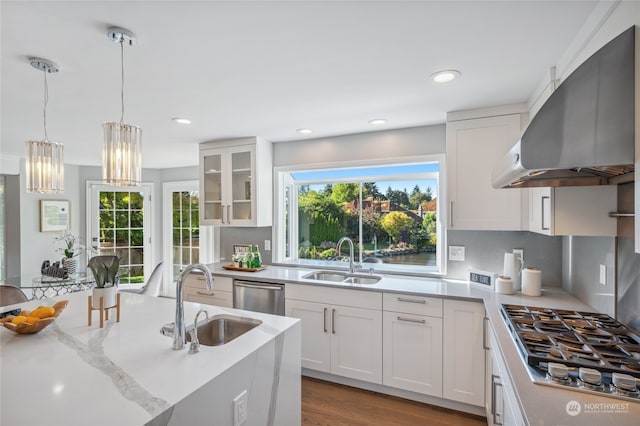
(343, 277)
(326, 276)
(222, 329)
(217, 330)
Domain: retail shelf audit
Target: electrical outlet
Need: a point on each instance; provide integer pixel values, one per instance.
(267, 245)
(456, 253)
(240, 409)
(603, 274)
(519, 253)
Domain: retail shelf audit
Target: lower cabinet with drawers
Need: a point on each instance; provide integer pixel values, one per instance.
(195, 290)
(412, 343)
(426, 345)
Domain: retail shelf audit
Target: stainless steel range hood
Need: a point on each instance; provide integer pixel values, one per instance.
(584, 133)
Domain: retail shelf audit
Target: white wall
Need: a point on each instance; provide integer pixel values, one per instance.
(36, 246)
(410, 142)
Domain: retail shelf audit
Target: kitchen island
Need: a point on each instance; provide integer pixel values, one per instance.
(127, 373)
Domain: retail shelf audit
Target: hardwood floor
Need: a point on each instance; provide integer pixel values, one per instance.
(330, 404)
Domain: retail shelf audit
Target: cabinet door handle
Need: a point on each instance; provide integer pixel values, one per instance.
(325, 319)
(420, 301)
(412, 320)
(333, 321)
(205, 293)
(543, 223)
(484, 333)
(228, 213)
(497, 416)
(451, 214)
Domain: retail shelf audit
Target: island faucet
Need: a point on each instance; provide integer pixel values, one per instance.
(180, 329)
(352, 264)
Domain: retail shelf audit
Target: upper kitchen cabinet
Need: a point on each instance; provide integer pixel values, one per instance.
(236, 182)
(473, 148)
(580, 210)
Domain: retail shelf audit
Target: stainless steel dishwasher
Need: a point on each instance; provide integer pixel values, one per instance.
(258, 297)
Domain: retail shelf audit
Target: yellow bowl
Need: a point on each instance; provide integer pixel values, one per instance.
(26, 328)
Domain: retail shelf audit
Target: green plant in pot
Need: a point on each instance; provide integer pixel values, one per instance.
(105, 273)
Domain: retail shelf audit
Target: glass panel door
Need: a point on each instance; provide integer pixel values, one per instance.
(120, 224)
(213, 187)
(242, 185)
(185, 235)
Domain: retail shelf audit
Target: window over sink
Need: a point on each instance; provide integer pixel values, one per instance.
(390, 212)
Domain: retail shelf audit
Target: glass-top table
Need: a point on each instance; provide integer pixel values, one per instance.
(40, 287)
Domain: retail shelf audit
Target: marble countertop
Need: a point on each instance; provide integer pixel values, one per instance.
(542, 405)
(123, 374)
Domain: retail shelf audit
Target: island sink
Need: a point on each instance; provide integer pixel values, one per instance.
(217, 330)
(343, 277)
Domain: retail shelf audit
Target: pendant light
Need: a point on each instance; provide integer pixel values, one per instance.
(122, 148)
(44, 159)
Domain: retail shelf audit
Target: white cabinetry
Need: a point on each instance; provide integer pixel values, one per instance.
(463, 348)
(236, 182)
(195, 290)
(412, 350)
(576, 210)
(502, 407)
(474, 146)
(341, 330)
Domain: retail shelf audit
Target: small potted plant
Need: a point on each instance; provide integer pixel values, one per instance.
(105, 274)
(70, 251)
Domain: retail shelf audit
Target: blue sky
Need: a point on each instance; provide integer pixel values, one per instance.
(383, 172)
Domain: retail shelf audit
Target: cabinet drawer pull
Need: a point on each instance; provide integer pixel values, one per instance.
(205, 293)
(412, 320)
(420, 301)
(325, 319)
(333, 321)
(484, 333)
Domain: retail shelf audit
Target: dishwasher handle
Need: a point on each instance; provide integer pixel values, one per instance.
(258, 286)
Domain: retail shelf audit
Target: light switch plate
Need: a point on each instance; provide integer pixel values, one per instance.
(603, 274)
(456, 253)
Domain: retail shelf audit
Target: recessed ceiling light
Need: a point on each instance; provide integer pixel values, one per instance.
(304, 131)
(181, 120)
(445, 76)
(378, 121)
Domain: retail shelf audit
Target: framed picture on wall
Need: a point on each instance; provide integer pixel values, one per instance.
(55, 215)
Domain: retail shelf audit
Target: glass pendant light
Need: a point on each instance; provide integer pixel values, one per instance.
(44, 159)
(122, 148)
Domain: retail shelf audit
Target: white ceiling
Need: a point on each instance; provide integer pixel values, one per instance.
(266, 68)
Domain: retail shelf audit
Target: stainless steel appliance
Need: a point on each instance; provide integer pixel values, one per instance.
(583, 351)
(258, 296)
(584, 133)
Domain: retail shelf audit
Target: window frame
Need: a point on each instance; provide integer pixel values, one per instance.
(283, 180)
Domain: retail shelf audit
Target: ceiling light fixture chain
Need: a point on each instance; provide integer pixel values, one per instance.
(46, 101)
(122, 81)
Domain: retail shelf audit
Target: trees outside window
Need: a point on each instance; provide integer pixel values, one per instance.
(398, 227)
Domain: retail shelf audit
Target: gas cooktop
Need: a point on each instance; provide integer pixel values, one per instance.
(585, 351)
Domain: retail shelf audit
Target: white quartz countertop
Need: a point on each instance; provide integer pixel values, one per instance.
(542, 405)
(123, 374)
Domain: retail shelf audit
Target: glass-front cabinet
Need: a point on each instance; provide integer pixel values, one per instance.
(235, 182)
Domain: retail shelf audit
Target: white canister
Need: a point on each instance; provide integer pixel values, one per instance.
(512, 269)
(531, 281)
(504, 285)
